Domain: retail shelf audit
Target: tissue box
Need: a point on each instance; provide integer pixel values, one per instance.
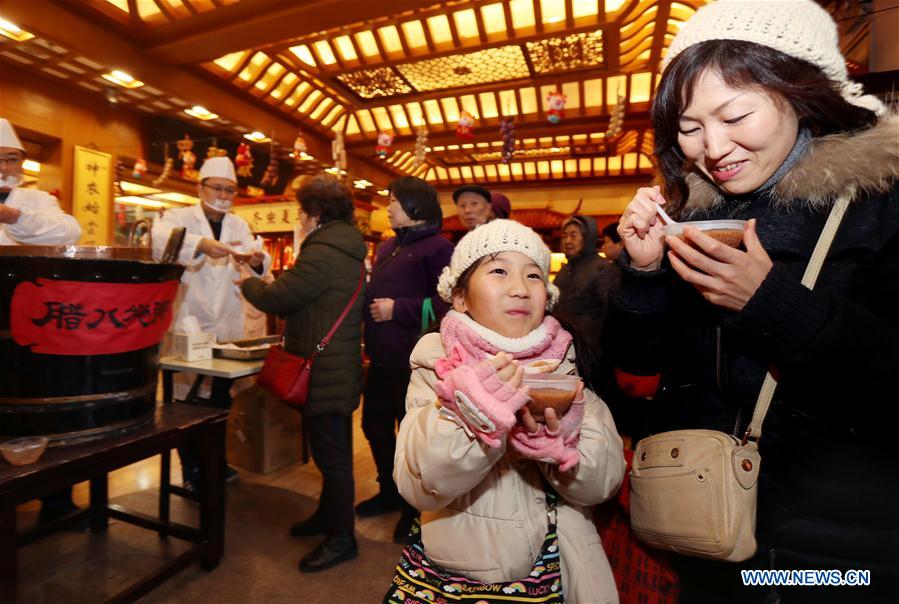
(264, 435)
(192, 346)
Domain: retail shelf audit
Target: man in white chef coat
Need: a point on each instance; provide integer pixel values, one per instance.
(32, 217)
(216, 242)
(28, 216)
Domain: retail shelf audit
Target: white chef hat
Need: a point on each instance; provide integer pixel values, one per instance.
(218, 167)
(8, 136)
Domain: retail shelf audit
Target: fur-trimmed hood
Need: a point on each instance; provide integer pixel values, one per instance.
(866, 160)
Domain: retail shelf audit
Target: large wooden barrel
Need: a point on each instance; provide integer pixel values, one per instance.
(78, 361)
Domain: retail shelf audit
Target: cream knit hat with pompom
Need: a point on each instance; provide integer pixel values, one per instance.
(798, 28)
(492, 238)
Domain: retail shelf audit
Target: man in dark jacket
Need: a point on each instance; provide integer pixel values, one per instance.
(585, 283)
(403, 281)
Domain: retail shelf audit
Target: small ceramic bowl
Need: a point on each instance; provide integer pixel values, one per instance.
(728, 232)
(23, 451)
(550, 391)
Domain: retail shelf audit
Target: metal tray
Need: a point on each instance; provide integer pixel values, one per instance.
(254, 348)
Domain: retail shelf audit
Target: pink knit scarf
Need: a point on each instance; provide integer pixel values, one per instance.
(468, 343)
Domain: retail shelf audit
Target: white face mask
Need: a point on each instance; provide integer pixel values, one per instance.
(220, 204)
(10, 181)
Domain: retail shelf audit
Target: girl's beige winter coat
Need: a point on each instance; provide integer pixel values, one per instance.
(484, 513)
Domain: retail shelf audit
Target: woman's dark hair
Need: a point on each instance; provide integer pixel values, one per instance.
(418, 199)
(326, 198)
(814, 97)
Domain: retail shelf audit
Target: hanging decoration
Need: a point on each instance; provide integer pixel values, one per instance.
(188, 159)
(166, 167)
(119, 173)
(140, 168)
(507, 132)
(299, 148)
(555, 107)
(421, 147)
(270, 177)
(465, 127)
(385, 139)
(616, 118)
(214, 151)
(338, 153)
(244, 160)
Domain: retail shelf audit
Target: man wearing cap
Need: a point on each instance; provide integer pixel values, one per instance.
(216, 242)
(28, 216)
(473, 203)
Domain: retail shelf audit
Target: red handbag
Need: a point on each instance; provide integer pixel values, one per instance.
(287, 375)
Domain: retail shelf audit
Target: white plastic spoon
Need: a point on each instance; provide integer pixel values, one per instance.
(664, 215)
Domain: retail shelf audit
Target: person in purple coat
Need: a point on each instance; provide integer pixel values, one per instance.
(403, 280)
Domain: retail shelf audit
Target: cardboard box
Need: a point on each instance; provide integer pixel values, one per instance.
(192, 346)
(263, 433)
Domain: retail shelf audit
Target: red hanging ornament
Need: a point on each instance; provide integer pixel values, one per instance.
(140, 168)
(555, 107)
(244, 160)
(465, 127)
(385, 139)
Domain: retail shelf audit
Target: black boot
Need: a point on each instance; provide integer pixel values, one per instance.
(378, 505)
(313, 525)
(331, 552)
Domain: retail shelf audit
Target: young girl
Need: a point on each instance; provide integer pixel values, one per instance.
(470, 455)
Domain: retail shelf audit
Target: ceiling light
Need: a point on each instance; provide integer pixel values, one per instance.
(257, 137)
(201, 113)
(305, 156)
(331, 170)
(554, 20)
(384, 192)
(361, 183)
(178, 198)
(120, 78)
(29, 165)
(555, 149)
(13, 31)
(132, 200)
(132, 188)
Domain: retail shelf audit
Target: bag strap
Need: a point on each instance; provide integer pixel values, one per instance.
(320, 347)
(815, 263)
(427, 314)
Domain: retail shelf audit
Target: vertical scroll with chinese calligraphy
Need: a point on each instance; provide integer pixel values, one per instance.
(92, 195)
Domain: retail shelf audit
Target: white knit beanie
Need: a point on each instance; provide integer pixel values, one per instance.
(492, 238)
(798, 28)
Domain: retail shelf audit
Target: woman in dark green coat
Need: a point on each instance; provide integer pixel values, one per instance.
(311, 295)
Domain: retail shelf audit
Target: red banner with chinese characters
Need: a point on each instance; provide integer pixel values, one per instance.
(85, 318)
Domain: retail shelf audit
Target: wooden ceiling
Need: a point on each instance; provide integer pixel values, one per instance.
(402, 66)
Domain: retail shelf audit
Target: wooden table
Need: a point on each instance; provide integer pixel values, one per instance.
(173, 425)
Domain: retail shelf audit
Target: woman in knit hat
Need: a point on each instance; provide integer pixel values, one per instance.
(755, 118)
(471, 456)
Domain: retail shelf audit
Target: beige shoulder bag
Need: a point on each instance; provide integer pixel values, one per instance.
(694, 491)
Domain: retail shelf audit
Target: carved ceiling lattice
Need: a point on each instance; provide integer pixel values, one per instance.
(468, 69)
(375, 83)
(577, 51)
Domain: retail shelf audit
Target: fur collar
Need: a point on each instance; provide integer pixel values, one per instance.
(866, 160)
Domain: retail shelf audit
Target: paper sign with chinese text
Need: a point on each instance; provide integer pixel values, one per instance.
(87, 318)
(92, 195)
(270, 217)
